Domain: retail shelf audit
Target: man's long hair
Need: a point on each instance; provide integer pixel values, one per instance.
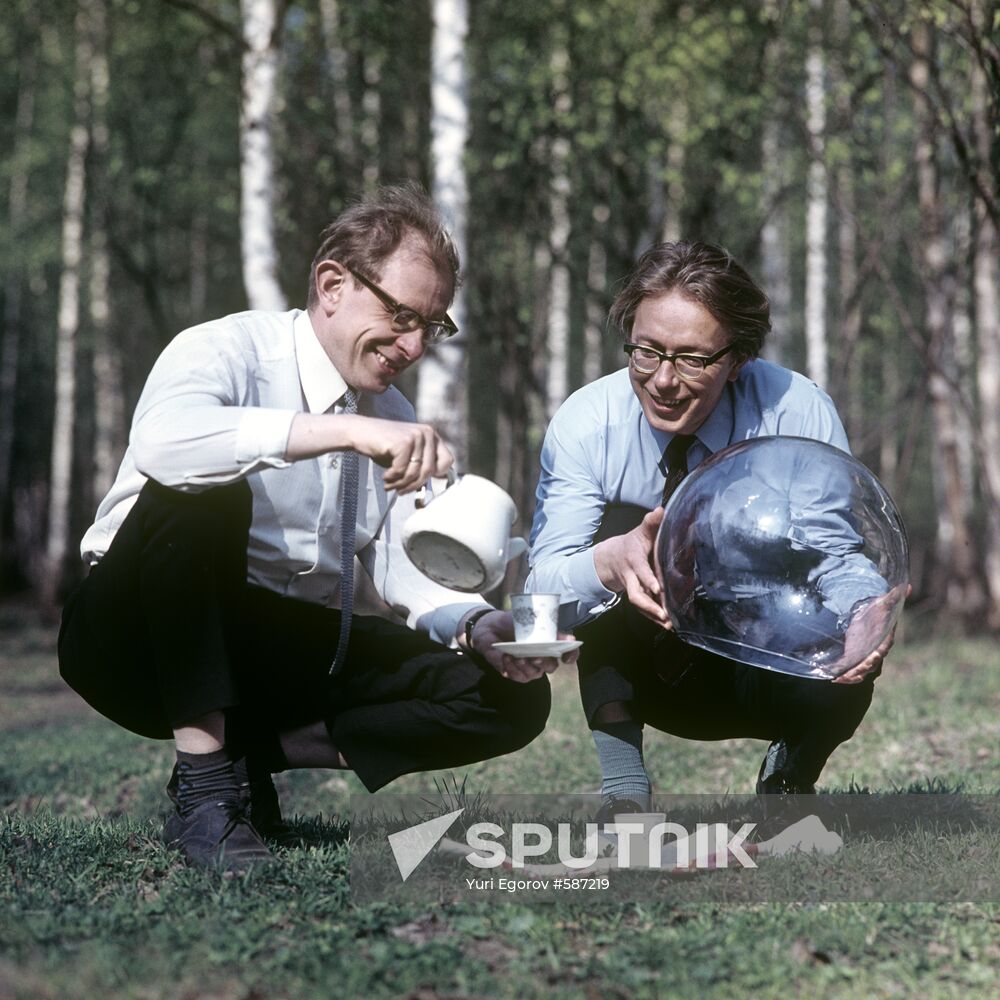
(709, 275)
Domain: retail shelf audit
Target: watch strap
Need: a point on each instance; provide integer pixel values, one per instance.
(470, 623)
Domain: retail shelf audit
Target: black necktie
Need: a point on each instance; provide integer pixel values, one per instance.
(676, 459)
(348, 524)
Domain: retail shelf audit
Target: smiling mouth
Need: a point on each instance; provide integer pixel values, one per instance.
(668, 404)
(386, 365)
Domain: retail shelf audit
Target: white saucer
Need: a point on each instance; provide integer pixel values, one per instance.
(533, 649)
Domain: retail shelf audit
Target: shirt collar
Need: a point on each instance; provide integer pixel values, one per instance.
(716, 431)
(322, 385)
(714, 434)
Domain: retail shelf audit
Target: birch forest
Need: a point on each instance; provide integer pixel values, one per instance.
(165, 162)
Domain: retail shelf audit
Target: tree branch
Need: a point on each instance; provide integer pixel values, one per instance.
(216, 23)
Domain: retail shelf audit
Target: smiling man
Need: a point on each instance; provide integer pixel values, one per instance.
(694, 322)
(270, 458)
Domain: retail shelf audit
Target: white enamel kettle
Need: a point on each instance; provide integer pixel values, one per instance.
(460, 538)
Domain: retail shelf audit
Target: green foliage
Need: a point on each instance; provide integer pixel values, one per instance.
(662, 105)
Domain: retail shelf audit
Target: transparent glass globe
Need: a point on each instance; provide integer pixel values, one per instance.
(783, 553)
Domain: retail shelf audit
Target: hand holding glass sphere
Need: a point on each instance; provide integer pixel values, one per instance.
(786, 554)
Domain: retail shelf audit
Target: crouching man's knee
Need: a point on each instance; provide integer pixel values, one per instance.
(526, 711)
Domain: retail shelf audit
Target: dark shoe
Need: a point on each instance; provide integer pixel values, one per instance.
(264, 810)
(218, 836)
(617, 807)
(608, 842)
(777, 773)
(259, 800)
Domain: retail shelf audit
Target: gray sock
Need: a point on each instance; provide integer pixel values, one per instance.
(619, 747)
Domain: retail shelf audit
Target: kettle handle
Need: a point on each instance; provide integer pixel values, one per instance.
(425, 494)
(516, 546)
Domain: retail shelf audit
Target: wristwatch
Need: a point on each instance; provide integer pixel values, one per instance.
(470, 624)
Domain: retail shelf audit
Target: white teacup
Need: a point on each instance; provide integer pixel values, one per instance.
(461, 537)
(536, 617)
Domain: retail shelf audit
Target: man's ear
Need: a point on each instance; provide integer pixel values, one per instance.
(330, 278)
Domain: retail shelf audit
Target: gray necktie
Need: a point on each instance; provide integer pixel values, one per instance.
(348, 525)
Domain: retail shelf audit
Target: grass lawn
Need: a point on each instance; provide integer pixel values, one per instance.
(92, 905)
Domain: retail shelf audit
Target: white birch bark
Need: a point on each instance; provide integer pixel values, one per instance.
(816, 207)
(557, 334)
(986, 282)
(257, 220)
(109, 407)
(64, 417)
(442, 399)
(17, 205)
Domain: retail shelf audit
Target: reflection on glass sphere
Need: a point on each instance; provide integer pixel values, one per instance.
(783, 553)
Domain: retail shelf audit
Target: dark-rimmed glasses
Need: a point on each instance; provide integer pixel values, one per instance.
(405, 319)
(646, 360)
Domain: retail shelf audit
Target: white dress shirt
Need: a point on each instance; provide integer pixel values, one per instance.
(218, 407)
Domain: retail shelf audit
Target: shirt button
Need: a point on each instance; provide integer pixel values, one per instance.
(333, 461)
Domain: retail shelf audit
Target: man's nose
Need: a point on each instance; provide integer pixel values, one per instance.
(666, 375)
(412, 344)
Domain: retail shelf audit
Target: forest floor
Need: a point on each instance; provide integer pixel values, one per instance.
(91, 904)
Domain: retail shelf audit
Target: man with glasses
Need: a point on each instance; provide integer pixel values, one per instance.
(694, 323)
(223, 609)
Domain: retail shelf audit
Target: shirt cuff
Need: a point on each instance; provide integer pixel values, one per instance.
(263, 434)
(584, 584)
(441, 624)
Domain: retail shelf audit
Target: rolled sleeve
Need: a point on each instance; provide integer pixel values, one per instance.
(262, 435)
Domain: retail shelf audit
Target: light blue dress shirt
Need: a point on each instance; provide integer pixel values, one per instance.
(600, 449)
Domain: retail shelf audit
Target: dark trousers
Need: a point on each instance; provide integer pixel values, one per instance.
(165, 629)
(698, 695)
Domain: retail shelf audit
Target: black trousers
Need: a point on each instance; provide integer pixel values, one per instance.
(166, 629)
(698, 695)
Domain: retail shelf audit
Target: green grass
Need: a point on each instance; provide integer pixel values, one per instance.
(92, 905)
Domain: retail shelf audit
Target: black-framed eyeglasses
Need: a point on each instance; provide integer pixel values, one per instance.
(646, 360)
(405, 319)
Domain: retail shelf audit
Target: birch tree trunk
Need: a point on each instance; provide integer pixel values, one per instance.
(109, 406)
(10, 337)
(597, 313)
(816, 263)
(442, 399)
(260, 72)
(199, 253)
(675, 189)
(986, 281)
(848, 387)
(64, 419)
(343, 115)
(775, 256)
(557, 338)
(955, 557)
(371, 120)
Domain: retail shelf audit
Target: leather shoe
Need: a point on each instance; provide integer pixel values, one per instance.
(777, 774)
(218, 836)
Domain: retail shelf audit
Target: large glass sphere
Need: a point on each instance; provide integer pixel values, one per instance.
(783, 553)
